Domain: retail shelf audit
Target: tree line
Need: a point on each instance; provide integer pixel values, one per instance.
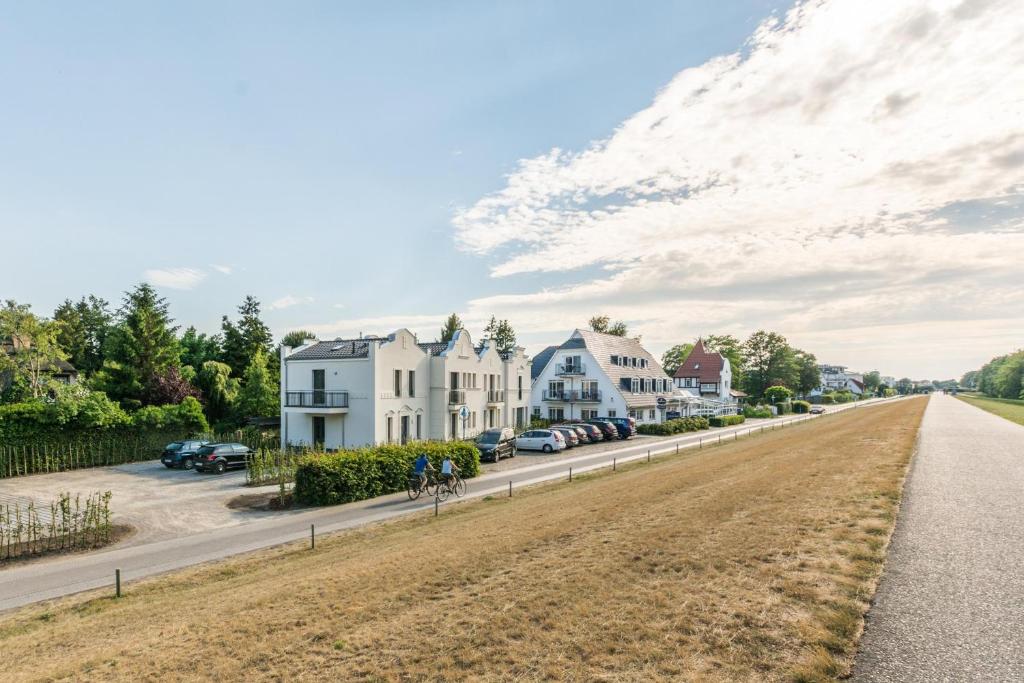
(1001, 377)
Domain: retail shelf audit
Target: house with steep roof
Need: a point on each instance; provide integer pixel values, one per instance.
(395, 389)
(593, 374)
(706, 374)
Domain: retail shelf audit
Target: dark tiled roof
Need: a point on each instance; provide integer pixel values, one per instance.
(540, 361)
(705, 365)
(339, 348)
(433, 348)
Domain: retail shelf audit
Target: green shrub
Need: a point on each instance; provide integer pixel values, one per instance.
(828, 399)
(539, 423)
(726, 420)
(362, 473)
(844, 396)
(801, 407)
(676, 426)
(777, 394)
(784, 408)
(757, 411)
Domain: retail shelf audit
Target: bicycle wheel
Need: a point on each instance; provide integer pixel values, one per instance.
(413, 489)
(442, 492)
(430, 487)
(459, 487)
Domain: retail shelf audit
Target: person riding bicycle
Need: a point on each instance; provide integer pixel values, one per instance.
(421, 467)
(447, 466)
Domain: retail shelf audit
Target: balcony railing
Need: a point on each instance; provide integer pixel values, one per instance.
(496, 396)
(573, 396)
(456, 397)
(570, 369)
(316, 399)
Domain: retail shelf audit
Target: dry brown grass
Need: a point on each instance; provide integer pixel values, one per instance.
(750, 561)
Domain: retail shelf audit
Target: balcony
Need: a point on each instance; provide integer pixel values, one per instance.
(572, 396)
(456, 397)
(496, 396)
(317, 400)
(570, 369)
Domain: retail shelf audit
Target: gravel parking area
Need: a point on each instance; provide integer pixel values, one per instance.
(525, 458)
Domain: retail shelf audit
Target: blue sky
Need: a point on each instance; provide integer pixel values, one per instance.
(364, 166)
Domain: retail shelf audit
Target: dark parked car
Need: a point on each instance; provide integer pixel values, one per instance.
(609, 430)
(181, 453)
(581, 433)
(817, 410)
(572, 439)
(220, 457)
(495, 444)
(593, 433)
(625, 425)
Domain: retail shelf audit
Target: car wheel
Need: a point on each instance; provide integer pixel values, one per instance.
(168, 465)
(187, 463)
(220, 467)
(547, 448)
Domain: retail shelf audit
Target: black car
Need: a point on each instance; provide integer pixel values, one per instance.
(610, 431)
(495, 444)
(181, 453)
(582, 435)
(625, 425)
(220, 457)
(594, 434)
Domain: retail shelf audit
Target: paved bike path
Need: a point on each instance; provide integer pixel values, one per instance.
(950, 605)
(66, 575)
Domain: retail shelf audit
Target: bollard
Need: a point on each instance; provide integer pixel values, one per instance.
(509, 488)
(677, 449)
(719, 439)
(312, 537)
(117, 583)
(701, 443)
(570, 474)
(613, 464)
(435, 506)
(649, 453)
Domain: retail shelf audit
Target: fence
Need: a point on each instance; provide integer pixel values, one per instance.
(66, 524)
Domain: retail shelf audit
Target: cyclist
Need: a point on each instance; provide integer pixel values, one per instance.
(421, 467)
(447, 466)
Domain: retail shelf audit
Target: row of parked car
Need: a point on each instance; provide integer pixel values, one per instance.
(204, 456)
(495, 444)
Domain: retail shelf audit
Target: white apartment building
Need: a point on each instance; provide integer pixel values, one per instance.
(600, 375)
(355, 392)
(838, 378)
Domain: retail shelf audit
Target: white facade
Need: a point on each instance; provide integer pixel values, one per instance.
(838, 378)
(374, 390)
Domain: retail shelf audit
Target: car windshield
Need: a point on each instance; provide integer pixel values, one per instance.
(205, 450)
(489, 437)
(174, 446)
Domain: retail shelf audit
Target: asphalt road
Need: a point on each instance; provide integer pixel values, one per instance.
(65, 575)
(950, 605)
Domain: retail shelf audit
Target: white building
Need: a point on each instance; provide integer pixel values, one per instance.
(372, 390)
(838, 378)
(707, 374)
(600, 375)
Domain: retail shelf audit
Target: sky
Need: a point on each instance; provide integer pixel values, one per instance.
(848, 173)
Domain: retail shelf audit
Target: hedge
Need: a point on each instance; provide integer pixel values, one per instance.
(358, 474)
(726, 420)
(784, 408)
(676, 426)
(801, 407)
(759, 411)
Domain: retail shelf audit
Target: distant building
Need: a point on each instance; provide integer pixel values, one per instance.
(58, 370)
(707, 374)
(838, 378)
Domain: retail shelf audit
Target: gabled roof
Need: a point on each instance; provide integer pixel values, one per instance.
(705, 365)
(433, 348)
(540, 361)
(603, 346)
(338, 348)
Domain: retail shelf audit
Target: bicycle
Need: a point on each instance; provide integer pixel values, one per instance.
(455, 484)
(418, 485)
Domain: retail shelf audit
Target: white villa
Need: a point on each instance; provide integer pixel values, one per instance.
(394, 389)
(707, 374)
(602, 375)
(838, 378)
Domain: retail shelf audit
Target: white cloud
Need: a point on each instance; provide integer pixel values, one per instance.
(287, 301)
(803, 185)
(174, 278)
(225, 270)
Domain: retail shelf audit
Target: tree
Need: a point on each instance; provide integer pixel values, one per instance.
(168, 387)
(808, 376)
(82, 330)
(904, 385)
(142, 347)
(872, 380)
(219, 388)
(602, 323)
(769, 361)
(197, 348)
(730, 347)
(258, 396)
(777, 394)
(969, 380)
(243, 339)
(452, 325)
(674, 357)
(34, 352)
(501, 332)
(297, 338)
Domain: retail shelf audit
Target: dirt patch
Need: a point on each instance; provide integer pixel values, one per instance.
(262, 502)
(752, 561)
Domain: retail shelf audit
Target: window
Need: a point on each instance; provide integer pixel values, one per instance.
(588, 414)
(520, 387)
(391, 428)
(536, 411)
(556, 414)
(398, 385)
(650, 414)
(635, 385)
(472, 420)
(318, 430)
(412, 385)
(615, 360)
(319, 396)
(419, 420)
(611, 413)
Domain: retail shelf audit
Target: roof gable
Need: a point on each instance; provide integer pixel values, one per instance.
(705, 365)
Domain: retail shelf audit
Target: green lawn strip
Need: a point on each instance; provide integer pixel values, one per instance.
(1006, 408)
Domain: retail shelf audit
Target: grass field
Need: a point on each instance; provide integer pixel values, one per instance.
(750, 561)
(1003, 407)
